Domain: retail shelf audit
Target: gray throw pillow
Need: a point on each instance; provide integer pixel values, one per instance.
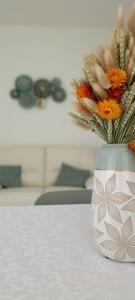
(10, 176)
(71, 176)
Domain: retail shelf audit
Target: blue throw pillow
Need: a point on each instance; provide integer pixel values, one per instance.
(71, 176)
(10, 176)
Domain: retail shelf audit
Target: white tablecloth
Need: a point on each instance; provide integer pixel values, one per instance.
(46, 253)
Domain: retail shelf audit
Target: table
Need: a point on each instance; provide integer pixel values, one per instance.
(47, 253)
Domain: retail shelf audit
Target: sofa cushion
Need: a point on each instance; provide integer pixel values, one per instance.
(10, 176)
(65, 197)
(54, 188)
(77, 156)
(19, 196)
(30, 158)
(89, 183)
(71, 176)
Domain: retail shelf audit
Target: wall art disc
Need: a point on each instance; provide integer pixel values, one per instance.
(56, 82)
(42, 88)
(59, 94)
(14, 94)
(41, 103)
(24, 83)
(27, 100)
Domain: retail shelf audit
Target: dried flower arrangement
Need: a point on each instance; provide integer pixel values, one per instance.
(105, 97)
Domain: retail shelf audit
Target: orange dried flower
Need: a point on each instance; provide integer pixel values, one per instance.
(131, 146)
(109, 109)
(115, 93)
(117, 77)
(84, 90)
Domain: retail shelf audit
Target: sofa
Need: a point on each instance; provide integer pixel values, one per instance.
(40, 166)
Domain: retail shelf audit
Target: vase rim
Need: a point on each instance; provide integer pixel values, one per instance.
(115, 145)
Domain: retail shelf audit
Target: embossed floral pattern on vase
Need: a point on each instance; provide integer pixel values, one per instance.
(130, 206)
(122, 243)
(113, 207)
(107, 199)
(96, 233)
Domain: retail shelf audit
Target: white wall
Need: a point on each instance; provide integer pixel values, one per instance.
(43, 52)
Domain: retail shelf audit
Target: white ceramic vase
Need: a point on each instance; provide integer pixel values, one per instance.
(113, 202)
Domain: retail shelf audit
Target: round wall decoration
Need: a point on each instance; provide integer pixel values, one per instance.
(42, 88)
(59, 94)
(27, 100)
(24, 83)
(56, 82)
(41, 103)
(14, 93)
(30, 93)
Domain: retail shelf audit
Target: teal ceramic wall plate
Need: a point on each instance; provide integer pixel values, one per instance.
(42, 88)
(23, 83)
(28, 99)
(56, 82)
(58, 94)
(14, 93)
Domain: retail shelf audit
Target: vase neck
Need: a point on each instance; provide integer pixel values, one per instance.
(115, 157)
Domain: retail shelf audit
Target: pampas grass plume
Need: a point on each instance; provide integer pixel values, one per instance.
(131, 19)
(99, 91)
(100, 57)
(130, 66)
(102, 77)
(120, 17)
(108, 60)
(133, 53)
(131, 44)
(90, 105)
